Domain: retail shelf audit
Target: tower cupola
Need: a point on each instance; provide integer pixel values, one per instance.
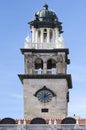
(46, 30)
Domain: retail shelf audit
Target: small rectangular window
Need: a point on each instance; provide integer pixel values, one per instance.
(44, 110)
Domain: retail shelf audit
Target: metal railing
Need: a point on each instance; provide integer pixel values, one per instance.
(42, 127)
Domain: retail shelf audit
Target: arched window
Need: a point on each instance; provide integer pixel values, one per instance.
(45, 35)
(51, 64)
(38, 63)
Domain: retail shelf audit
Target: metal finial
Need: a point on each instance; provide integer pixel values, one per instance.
(45, 6)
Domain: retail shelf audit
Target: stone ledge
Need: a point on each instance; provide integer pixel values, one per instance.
(59, 76)
(66, 50)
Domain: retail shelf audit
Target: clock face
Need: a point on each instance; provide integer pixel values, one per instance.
(44, 96)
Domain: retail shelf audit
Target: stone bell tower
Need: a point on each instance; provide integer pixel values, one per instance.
(46, 82)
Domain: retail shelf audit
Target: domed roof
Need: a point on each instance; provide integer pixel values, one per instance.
(46, 18)
(46, 15)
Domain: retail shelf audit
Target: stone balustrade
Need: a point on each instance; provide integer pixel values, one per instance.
(42, 127)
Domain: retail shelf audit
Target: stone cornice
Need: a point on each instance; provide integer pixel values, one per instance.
(59, 76)
(66, 50)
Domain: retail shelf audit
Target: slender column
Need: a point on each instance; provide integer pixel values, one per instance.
(48, 35)
(44, 67)
(57, 68)
(56, 35)
(36, 40)
(53, 36)
(33, 34)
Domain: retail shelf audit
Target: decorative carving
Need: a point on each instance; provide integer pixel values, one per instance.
(60, 58)
(61, 42)
(27, 41)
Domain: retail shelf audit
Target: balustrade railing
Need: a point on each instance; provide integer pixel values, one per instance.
(39, 45)
(42, 127)
(49, 71)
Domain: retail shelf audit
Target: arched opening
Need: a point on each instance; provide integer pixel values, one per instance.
(38, 120)
(39, 35)
(51, 36)
(68, 120)
(51, 66)
(7, 121)
(39, 65)
(45, 35)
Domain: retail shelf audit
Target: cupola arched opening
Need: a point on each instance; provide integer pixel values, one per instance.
(51, 36)
(38, 63)
(45, 35)
(39, 35)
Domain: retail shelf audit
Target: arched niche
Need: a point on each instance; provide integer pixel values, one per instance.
(68, 120)
(7, 121)
(38, 120)
(51, 63)
(38, 63)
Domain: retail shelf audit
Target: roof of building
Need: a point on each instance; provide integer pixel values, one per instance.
(46, 18)
(46, 15)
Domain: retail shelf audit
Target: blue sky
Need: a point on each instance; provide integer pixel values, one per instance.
(14, 16)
